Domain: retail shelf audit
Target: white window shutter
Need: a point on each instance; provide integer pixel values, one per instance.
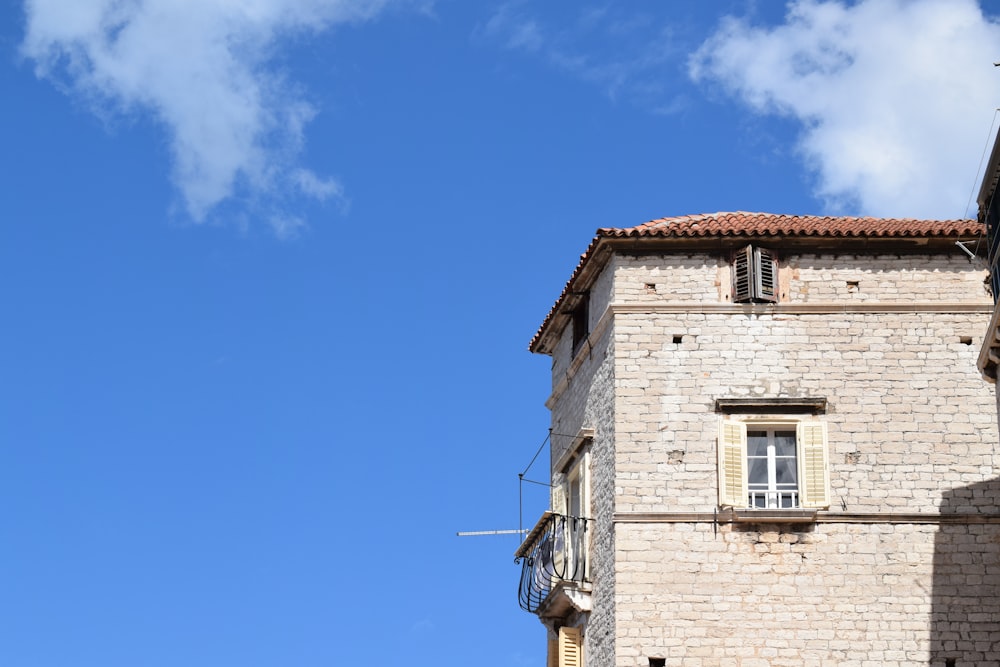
(814, 465)
(732, 464)
(559, 499)
(765, 275)
(742, 278)
(570, 647)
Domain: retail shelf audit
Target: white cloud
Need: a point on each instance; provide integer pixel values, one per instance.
(314, 186)
(895, 97)
(621, 52)
(203, 68)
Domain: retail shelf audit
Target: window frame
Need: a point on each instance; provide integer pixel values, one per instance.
(812, 461)
(771, 492)
(573, 482)
(573, 470)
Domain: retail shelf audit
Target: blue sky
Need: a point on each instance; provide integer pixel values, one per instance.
(271, 267)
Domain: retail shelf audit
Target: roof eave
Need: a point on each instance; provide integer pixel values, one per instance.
(608, 241)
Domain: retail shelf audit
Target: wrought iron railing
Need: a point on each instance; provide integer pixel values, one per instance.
(554, 551)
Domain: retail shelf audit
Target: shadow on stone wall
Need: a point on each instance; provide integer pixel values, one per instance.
(965, 602)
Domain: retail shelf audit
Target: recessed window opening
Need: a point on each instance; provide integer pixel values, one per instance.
(581, 321)
(949, 662)
(853, 285)
(657, 662)
(755, 276)
(678, 339)
(965, 340)
(651, 288)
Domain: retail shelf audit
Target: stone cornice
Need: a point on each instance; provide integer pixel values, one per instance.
(728, 516)
(801, 308)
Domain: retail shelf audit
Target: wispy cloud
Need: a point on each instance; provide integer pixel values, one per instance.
(204, 69)
(622, 52)
(894, 97)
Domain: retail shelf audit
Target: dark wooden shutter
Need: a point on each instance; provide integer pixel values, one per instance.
(742, 268)
(766, 275)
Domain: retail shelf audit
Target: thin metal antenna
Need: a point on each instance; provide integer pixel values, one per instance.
(521, 479)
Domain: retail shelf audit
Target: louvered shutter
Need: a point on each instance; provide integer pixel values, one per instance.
(732, 464)
(552, 657)
(570, 647)
(765, 275)
(742, 268)
(814, 468)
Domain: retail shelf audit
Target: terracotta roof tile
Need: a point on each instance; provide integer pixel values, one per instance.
(741, 224)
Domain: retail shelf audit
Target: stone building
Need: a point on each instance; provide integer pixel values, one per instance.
(989, 217)
(770, 446)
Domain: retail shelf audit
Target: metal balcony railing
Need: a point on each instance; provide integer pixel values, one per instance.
(554, 551)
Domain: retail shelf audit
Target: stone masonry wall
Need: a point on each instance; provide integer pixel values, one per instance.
(825, 594)
(600, 297)
(585, 399)
(804, 278)
(908, 415)
(885, 278)
(912, 429)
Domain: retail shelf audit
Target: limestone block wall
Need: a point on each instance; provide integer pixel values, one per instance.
(804, 278)
(600, 297)
(659, 278)
(884, 278)
(820, 594)
(909, 418)
(585, 399)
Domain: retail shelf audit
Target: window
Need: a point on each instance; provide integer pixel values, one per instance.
(772, 469)
(571, 504)
(755, 276)
(570, 497)
(581, 321)
(773, 465)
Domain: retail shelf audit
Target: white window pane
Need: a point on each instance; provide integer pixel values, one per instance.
(784, 443)
(757, 471)
(785, 471)
(757, 443)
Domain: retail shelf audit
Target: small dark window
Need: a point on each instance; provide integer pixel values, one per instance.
(581, 321)
(678, 339)
(755, 276)
(657, 662)
(949, 662)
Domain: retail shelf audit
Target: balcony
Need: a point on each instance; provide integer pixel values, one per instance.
(554, 567)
